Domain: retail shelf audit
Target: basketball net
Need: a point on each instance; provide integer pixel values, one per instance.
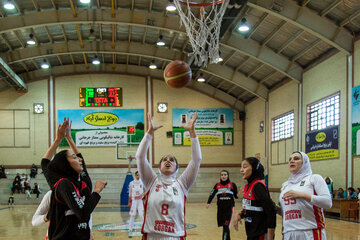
(202, 24)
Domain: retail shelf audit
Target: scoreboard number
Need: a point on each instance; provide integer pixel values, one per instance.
(101, 97)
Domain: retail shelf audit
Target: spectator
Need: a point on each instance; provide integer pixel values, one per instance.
(341, 194)
(357, 193)
(11, 199)
(17, 177)
(22, 182)
(330, 185)
(27, 189)
(36, 190)
(27, 180)
(351, 194)
(16, 186)
(33, 171)
(2, 172)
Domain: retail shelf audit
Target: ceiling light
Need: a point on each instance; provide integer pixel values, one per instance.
(244, 27)
(31, 41)
(8, 5)
(45, 65)
(85, 1)
(219, 59)
(201, 78)
(160, 42)
(171, 7)
(96, 61)
(152, 65)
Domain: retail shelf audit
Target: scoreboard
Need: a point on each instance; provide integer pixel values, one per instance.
(100, 97)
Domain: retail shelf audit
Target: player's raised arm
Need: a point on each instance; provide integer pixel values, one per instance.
(188, 177)
(147, 175)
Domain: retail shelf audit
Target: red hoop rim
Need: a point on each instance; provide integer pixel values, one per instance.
(192, 4)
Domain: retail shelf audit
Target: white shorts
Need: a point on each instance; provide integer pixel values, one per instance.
(154, 236)
(137, 206)
(314, 234)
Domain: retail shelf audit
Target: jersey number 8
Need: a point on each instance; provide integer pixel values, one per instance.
(164, 209)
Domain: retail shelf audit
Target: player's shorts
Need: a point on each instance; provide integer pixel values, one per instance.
(314, 234)
(154, 236)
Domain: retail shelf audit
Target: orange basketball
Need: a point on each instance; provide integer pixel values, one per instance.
(177, 74)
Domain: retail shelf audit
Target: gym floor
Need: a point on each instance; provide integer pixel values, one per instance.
(110, 223)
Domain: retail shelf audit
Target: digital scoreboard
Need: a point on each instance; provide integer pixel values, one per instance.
(100, 97)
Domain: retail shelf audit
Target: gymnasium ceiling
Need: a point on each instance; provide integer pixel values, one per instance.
(286, 37)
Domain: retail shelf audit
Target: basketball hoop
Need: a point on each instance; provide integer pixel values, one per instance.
(202, 22)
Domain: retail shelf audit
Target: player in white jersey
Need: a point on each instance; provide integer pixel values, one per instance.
(136, 194)
(166, 195)
(302, 200)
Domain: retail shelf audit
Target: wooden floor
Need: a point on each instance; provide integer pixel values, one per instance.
(15, 223)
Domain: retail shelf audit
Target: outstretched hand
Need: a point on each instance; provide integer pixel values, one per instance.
(61, 130)
(152, 127)
(68, 129)
(190, 126)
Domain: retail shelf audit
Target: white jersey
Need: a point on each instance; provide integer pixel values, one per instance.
(299, 214)
(136, 188)
(166, 216)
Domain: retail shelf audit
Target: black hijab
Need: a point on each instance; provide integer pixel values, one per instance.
(257, 169)
(227, 180)
(59, 168)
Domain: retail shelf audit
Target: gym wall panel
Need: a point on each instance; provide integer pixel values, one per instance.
(28, 144)
(323, 80)
(254, 139)
(282, 100)
(6, 118)
(188, 98)
(356, 159)
(67, 97)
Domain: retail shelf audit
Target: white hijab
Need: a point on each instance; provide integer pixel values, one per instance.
(304, 171)
(168, 180)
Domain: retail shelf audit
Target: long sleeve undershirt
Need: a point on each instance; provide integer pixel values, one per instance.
(82, 209)
(42, 210)
(186, 179)
(322, 199)
(263, 196)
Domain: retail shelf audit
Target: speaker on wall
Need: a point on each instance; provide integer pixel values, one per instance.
(242, 116)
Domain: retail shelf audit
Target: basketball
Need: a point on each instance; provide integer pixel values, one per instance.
(177, 74)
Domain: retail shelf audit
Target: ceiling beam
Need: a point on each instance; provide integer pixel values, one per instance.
(136, 49)
(257, 25)
(18, 38)
(310, 22)
(49, 34)
(330, 8)
(235, 42)
(290, 40)
(36, 6)
(6, 42)
(15, 79)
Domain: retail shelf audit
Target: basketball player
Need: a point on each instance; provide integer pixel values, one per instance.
(303, 197)
(136, 194)
(258, 209)
(72, 201)
(40, 215)
(225, 191)
(166, 195)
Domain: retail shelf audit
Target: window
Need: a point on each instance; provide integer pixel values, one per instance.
(324, 113)
(283, 127)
